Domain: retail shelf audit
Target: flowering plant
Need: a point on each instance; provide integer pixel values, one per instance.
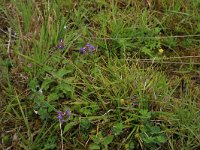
(61, 115)
(88, 48)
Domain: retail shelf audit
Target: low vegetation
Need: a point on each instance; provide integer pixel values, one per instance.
(78, 74)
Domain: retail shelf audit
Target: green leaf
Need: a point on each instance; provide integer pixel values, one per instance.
(145, 114)
(117, 128)
(68, 126)
(154, 129)
(53, 97)
(66, 89)
(94, 146)
(94, 107)
(46, 83)
(43, 113)
(61, 72)
(85, 111)
(107, 140)
(33, 84)
(50, 143)
(147, 51)
(97, 138)
(47, 68)
(160, 139)
(148, 139)
(50, 108)
(131, 145)
(85, 124)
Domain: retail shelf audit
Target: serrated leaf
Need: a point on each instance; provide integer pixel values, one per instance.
(160, 139)
(53, 97)
(148, 139)
(46, 83)
(61, 72)
(155, 129)
(66, 89)
(145, 113)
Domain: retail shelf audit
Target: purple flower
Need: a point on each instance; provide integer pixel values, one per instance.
(61, 115)
(87, 48)
(83, 50)
(61, 44)
(68, 113)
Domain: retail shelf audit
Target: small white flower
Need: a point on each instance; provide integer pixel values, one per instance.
(40, 91)
(35, 111)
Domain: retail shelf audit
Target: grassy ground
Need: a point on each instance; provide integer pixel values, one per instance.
(135, 86)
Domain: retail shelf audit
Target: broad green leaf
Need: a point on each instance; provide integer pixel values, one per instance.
(61, 72)
(94, 146)
(107, 140)
(65, 88)
(53, 97)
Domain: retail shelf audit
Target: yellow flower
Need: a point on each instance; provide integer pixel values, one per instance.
(161, 50)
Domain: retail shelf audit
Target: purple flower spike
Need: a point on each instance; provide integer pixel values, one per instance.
(68, 112)
(61, 115)
(61, 44)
